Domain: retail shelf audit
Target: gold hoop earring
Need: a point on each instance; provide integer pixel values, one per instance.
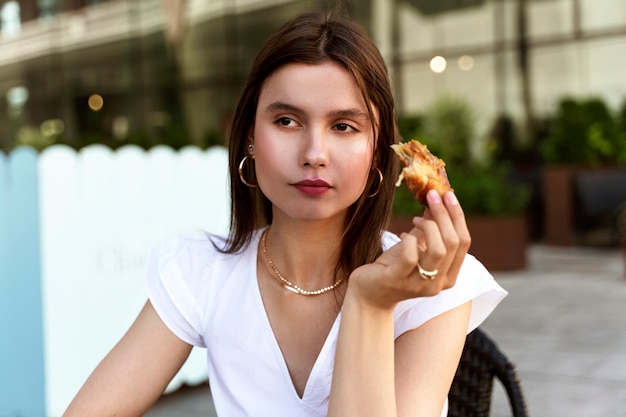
(380, 183)
(240, 170)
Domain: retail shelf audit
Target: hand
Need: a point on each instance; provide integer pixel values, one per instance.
(439, 241)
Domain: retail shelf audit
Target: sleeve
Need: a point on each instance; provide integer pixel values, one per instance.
(170, 283)
(474, 283)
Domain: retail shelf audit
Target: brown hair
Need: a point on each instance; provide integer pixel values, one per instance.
(315, 38)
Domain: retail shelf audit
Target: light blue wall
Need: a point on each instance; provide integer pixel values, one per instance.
(22, 382)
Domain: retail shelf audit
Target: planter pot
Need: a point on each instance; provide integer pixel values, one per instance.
(500, 243)
(558, 205)
(578, 200)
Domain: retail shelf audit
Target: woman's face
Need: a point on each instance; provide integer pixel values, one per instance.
(312, 141)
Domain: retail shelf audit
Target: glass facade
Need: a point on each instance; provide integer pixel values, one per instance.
(149, 88)
(160, 84)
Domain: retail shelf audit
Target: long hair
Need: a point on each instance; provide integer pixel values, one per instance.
(314, 38)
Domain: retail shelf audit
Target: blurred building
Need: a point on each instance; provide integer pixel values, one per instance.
(140, 71)
(127, 70)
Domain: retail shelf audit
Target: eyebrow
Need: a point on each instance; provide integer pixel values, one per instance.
(350, 113)
(282, 106)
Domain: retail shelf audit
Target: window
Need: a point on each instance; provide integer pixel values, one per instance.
(10, 19)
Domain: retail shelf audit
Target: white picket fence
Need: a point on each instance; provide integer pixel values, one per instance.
(100, 213)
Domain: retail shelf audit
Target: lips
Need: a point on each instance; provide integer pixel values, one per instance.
(312, 187)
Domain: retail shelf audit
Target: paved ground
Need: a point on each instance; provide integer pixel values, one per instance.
(563, 325)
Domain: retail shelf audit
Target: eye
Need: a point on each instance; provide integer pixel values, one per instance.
(285, 121)
(344, 127)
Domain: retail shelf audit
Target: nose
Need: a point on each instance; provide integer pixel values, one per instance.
(315, 149)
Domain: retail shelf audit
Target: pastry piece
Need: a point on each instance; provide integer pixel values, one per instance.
(422, 170)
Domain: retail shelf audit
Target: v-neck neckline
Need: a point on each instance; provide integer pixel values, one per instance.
(324, 359)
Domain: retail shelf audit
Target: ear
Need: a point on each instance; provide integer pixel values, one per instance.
(250, 142)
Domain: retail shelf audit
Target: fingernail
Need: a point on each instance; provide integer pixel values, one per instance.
(434, 197)
(451, 199)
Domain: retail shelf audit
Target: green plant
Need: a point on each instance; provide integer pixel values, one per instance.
(583, 132)
(621, 134)
(212, 137)
(489, 190)
(410, 125)
(405, 204)
(449, 125)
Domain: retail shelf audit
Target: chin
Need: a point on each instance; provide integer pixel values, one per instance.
(315, 215)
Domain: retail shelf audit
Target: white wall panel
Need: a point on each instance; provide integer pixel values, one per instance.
(101, 213)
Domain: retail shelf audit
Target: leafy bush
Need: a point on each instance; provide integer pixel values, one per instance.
(584, 132)
(449, 127)
(621, 134)
(488, 190)
(405, 204)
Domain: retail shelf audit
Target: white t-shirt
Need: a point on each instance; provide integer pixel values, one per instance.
(211, 299)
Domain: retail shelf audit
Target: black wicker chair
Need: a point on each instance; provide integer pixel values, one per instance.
(472, 387)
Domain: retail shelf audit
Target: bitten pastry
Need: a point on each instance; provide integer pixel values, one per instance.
(422, 170)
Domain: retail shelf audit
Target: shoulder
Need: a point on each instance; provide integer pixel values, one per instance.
(190, 254)
(195, 241)
(186, 260)
(195, 246)
(185, 275)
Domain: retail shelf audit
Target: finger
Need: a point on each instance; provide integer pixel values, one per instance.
(460, 225)
(403, 254)
(400, 262)
(433, 250)
(410, 253)
(458, 219)
(448, 216)
(419, 280)
(427, 214)
(443, 218)
(418, 234)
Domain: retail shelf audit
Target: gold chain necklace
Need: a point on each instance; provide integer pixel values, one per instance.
(288, 284)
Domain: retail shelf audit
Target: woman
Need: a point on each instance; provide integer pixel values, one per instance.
(308, 308)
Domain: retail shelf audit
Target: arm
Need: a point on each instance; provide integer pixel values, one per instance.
(426, 360)
(135, 373)
(377, 376)
(422, 362)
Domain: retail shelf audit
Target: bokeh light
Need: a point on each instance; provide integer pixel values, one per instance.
(466, 62)
(52, 127)
(438, 64)
(96, 102)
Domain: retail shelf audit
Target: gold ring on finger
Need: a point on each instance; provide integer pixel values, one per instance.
(426, 274)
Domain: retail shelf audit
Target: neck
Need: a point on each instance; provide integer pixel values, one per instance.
(305, 256)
